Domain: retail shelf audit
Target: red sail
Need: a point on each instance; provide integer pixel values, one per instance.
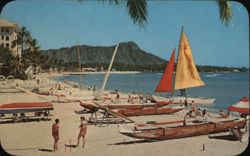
(165, 84)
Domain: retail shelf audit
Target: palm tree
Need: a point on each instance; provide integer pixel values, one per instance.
(138, 10)
(29, 49)
(5, 60)
(23, 40)
(225, 11)
(5, 56)
(17, 67)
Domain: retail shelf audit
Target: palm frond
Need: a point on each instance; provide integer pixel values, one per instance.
(225, 11)
(138, 11)
(117, 2)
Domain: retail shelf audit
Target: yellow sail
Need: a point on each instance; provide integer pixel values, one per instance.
(187, 75)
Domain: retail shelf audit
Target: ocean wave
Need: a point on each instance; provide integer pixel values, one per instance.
(212, 75)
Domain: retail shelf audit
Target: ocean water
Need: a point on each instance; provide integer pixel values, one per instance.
(226, 88)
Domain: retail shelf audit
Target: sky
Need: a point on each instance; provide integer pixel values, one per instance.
(63, 23)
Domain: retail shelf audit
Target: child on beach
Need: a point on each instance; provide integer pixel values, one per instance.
(82, 132)
(55, 133)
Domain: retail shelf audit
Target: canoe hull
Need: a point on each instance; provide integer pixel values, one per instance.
(181, 99)
(148, 111)
(25, 107)
(184, 131)
(91, 105)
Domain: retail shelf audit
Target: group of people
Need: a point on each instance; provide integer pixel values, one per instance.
(82, 132)
(139, 96)
(223, 114)
(203, 113)
(194, 113)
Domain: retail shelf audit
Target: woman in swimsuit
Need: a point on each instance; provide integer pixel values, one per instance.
(82, 132)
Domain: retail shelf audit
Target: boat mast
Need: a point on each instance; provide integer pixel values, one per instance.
(79, 63)
(177, 61)
(110, 66)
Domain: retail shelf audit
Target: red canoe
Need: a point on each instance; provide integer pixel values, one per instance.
(24, 107)
(91, 106)
(149, 111)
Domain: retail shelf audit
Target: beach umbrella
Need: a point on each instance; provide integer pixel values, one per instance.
(242, 106)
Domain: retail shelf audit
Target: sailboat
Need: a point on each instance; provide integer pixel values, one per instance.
(186, 76)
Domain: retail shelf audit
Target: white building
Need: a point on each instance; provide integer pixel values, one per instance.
(8, 33)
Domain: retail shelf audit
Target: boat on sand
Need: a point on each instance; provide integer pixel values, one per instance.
(25, 107)
(150, 111)
(176, 129)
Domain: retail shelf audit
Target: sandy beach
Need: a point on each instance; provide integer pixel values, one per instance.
(34, 138)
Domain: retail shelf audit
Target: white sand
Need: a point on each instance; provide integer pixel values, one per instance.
(28, 137)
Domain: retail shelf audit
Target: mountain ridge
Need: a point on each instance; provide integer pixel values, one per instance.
(127, 53)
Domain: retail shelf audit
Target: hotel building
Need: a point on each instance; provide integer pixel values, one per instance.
(8, 33)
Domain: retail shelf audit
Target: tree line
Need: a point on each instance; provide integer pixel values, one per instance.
(74, 66)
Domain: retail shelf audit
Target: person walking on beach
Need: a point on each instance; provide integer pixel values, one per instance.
(82, 132)
(55, 133)
(185, 103)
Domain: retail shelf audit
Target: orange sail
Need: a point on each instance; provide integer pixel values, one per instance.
(165, 84)
(187, 75)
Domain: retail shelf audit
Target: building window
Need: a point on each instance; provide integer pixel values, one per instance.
(2, 37)
(2, 30)
(7, 45)
(2, 45)
(7, 30)
(7, 38)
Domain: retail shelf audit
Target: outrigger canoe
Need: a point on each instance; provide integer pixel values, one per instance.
(24, 107)
(90, 105)
(176, 130)
(149, 111)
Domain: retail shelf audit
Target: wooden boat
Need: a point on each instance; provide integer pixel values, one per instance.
(149, 111)
(181, 99)
(90, 105)
(25, 107)
(186, 76)
(176, 130)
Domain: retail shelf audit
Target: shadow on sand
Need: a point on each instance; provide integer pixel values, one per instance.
(10, 120)
(133, 142)
(224, 137)
(45, 150)
(82, 111)
(71, 146)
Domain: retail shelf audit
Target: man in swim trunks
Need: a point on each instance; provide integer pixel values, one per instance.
(55, 133)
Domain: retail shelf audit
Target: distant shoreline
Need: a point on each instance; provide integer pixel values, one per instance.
(120, 72)
(88, 73)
